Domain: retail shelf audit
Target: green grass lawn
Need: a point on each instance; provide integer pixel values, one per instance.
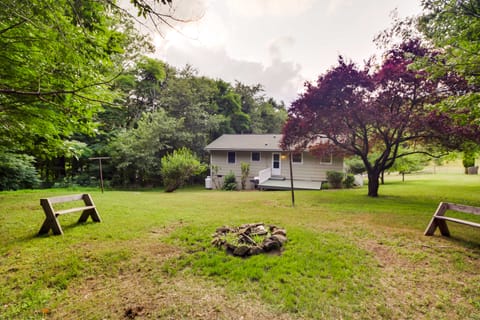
(348, 256)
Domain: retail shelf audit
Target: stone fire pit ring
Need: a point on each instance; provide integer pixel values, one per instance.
(250, 239)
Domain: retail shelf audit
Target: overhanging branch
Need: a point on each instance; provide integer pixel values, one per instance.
(40, 93)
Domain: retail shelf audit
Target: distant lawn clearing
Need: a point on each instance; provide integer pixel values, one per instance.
(348, 256)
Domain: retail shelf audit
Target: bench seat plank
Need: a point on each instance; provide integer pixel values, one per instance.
(468, 223)
(73, 210)
(69, 198)
(463, 208)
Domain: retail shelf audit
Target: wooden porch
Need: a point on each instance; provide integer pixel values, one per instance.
(276, 184)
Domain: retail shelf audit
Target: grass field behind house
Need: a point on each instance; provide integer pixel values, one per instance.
(348, 256)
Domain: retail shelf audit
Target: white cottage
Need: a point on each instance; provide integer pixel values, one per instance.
(269, 164)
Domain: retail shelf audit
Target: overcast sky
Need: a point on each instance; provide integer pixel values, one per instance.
(277, 43)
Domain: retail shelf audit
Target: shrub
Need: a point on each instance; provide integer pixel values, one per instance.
(245, 172)
(178, 167)
(349, 181)
(230, 182)
(468, 160)
(335, 179)
(17, 171)
(355, 166)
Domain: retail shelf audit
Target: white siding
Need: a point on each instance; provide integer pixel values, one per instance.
(311, 169)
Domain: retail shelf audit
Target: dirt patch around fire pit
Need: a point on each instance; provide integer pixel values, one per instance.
(250, 239)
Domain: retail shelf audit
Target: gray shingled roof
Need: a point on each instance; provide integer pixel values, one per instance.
(246, 142)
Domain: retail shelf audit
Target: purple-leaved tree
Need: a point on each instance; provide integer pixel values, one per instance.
(376, 112)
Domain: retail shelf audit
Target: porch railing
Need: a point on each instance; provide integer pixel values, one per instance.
(264, 175)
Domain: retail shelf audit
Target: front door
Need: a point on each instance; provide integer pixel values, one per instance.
(276, 164)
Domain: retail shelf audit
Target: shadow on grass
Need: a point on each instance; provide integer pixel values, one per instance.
(462, 241)
(29, 237)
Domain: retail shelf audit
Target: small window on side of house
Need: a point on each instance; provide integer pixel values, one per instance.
(297, 157)
(255, 156)
(231, 157)
(326, 158)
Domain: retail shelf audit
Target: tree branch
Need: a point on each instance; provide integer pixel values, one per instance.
(12, 26)
(56, 92)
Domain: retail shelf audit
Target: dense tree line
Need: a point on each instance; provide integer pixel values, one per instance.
(156, 109)
(76, 82)
(165, 109)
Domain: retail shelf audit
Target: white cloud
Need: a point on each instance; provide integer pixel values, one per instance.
(278, 45)
(208, 32)
(281, 79)
(249, 40)
(334, 6)
(282, 8)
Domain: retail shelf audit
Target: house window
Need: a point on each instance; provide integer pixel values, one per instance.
(255, 156)
(231, 157)
(326, 158)
(297, 157)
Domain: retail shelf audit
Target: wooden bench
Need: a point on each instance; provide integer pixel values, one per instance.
(51, 215)
(440, 220)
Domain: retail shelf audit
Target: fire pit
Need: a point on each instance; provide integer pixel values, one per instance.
(250, 239)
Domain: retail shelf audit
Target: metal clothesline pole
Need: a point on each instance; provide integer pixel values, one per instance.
(100, 168)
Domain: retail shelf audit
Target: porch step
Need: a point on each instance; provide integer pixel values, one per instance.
(277, 178)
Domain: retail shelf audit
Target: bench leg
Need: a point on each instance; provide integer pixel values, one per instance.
(432, 226)
(51, 221)
(53, 224)
(87, 199)
(441, 224)
(90, 213)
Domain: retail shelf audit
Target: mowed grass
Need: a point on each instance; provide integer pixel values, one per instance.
(348, 256)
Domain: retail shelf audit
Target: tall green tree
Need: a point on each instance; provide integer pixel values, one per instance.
(57, 63)
(136, 152)
(266, 115)
(453, 27)
(54, 69)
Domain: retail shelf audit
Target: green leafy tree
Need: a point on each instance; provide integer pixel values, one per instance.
(230, 105)
(136, 152)
(178, 167)
(266, 116)
(454, 26)
(191, 97)
(140, 88)
(410, 164)
(56, 62)
(451, 28)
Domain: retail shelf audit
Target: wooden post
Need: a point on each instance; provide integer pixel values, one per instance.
(291, 178)
(100, 168)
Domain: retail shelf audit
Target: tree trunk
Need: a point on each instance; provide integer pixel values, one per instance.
(373, 184)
